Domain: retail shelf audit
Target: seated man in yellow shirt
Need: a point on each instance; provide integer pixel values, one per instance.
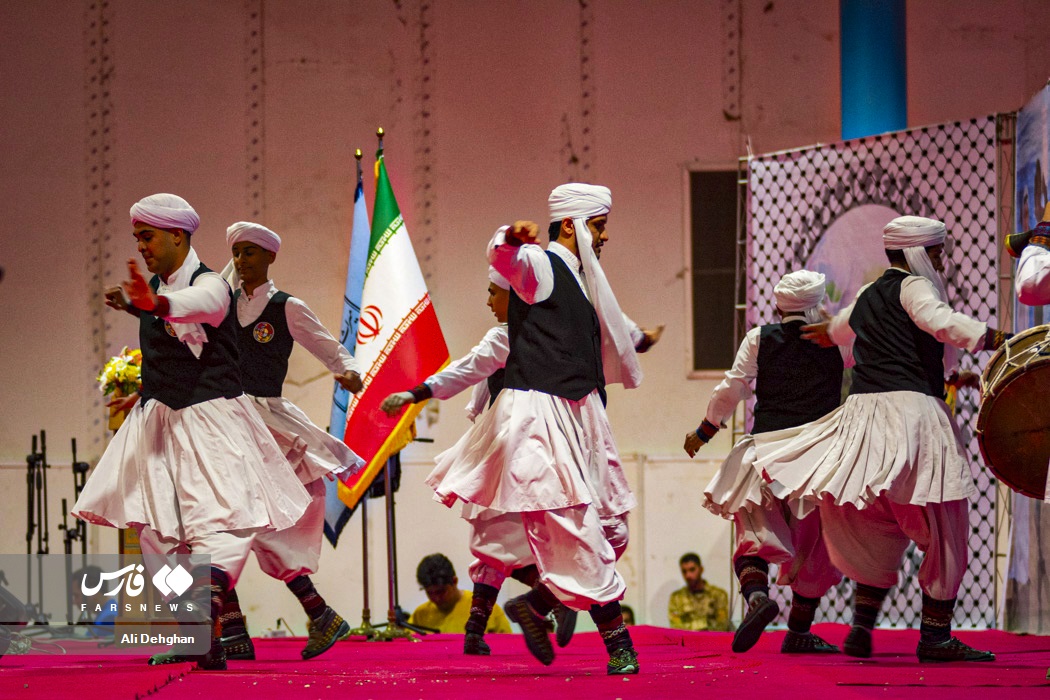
(699, 605)
(448, 608)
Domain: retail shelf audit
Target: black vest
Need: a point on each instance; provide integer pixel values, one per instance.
(170, 372)
(797, 381)
(555, 344)
(265, 345)
(892, 353)
(495, 382)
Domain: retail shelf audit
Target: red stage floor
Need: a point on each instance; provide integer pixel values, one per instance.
(674, 664)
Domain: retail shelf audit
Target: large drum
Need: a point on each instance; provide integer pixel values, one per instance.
(1013, 426)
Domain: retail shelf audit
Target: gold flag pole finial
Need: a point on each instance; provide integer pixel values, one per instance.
(357, 155)
(380, 134)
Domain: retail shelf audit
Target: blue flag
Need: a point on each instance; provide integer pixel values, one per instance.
(336, 514)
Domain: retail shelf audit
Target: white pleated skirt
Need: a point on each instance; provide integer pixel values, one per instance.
(902, 444)
(737, 485)
(532, 451)
(312, 451)
(210, 467)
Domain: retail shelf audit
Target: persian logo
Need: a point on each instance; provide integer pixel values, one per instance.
(369, 325)
(263, 332)
(169, 580)
(131, 580)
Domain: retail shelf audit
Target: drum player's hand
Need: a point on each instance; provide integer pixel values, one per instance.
(965, 380)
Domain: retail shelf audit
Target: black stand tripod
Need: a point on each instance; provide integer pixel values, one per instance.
(79, 530)
(36, 524)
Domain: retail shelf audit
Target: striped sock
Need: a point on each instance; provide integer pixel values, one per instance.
(936, 625)
(481, 608)
(232, 619)
(309, 598)
(867, 602)
(753, 574)
(803, 610)
(608, 619)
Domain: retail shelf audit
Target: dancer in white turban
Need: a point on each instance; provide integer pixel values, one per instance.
(1032, 279)
(545, 449)
(269, 323)
(497, 539)
(795, 382)
(888, 468)
(193, 466)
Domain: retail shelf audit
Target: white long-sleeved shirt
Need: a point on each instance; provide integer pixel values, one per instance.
(736, 386)
(303, 325)
(205, 301)
(483, 360)
(1032, 278)
(929, 313)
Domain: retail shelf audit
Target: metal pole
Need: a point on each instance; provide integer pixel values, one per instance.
(394, 630)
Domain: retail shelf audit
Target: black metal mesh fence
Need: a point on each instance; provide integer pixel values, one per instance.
(945, 172)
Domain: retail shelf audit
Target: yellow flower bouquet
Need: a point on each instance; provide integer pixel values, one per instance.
(121, 376)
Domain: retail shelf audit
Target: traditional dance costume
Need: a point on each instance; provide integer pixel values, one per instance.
(795, 382)
(1032, 279)
(544, 450)
(270, 322)
(888, 467)
(192, 433)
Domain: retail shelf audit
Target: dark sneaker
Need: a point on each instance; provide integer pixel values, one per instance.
(806, 643)
(622, 662)
(532, 626)
(475, 645)
(239, 647)
(760, 612)
(324, 632)
(175, 656)
(858, 643)
(565, 620)
(952, 650)
(214, 660)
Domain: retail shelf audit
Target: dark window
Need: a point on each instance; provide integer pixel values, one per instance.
(713, 206)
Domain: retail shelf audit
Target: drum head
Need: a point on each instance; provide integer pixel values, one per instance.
(1013, 430)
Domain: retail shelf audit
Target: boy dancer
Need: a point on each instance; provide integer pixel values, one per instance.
(795, 382)
(194, 431)
(269, 323)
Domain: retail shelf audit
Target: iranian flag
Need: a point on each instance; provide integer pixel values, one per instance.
(399, 341)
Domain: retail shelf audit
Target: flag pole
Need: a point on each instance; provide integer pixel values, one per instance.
(395, 627)
(365, 629)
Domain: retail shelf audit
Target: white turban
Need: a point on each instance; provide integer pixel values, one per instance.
(497, 279)
(801, 292)
(247, 232)
(165, 211)
(913, 231)
(913, 235)
(579, 201)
